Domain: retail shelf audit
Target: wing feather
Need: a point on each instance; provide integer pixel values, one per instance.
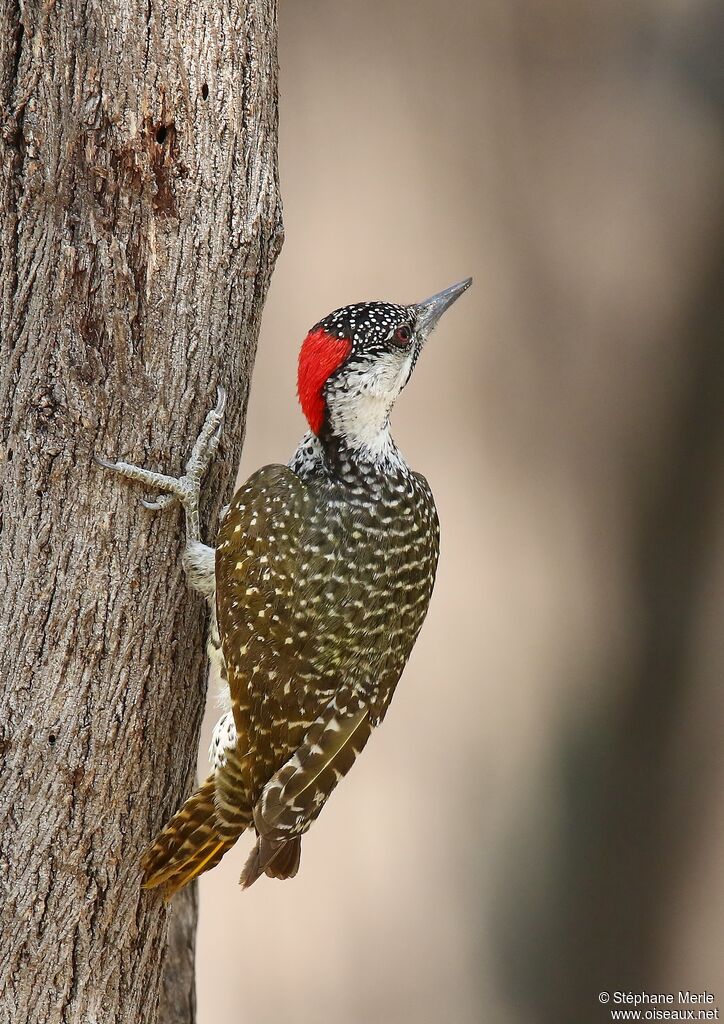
(294, 796)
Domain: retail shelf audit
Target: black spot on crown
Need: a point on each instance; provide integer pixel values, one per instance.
(368, 325)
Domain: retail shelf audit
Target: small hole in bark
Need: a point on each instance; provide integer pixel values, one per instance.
(205, 91)
(51, 739)
(161, 134)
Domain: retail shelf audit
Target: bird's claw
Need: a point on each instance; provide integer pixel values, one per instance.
(162, 502)
(184, 488)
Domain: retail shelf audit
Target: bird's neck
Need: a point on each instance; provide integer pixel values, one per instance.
(359, 420)
(340, 457)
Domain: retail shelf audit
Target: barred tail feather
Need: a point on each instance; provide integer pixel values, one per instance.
(194, 841)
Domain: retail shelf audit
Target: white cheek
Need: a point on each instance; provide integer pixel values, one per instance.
(360, 411)
(389, 375)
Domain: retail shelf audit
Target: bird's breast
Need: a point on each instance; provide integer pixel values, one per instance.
(323, 586)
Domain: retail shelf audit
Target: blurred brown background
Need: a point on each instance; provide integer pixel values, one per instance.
(542, 814)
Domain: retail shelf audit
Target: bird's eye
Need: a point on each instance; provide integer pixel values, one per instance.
(403, 335)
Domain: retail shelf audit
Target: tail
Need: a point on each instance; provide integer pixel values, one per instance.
(194, 841)
(275, 859)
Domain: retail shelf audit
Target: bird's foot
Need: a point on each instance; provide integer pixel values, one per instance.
(187, 488)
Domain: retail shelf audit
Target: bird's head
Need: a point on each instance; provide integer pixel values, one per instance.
(355, 362)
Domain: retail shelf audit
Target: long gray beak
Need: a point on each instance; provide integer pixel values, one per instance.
(429, 311)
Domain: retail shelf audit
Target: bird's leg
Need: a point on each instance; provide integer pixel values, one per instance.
(198, 558)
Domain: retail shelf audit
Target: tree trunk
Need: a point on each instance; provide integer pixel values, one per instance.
(140, 223)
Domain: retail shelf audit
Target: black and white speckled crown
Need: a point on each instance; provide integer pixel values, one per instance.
(366, 324)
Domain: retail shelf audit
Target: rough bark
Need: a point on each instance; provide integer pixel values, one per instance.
(178, 992)
(140, 223)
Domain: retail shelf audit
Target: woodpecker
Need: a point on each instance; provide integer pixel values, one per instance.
(318, 585)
